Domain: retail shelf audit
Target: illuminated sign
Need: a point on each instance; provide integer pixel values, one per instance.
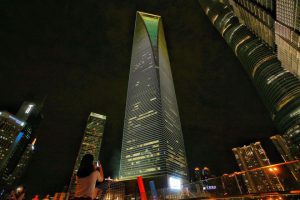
(210, 187)
(16, 120)
(19, 137)
(29, 108)
(175, 183)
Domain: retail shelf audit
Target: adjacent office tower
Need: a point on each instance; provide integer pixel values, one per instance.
(283, 148)
(278, 88)
(22, 165)
(256, 181)
(17, 132)
(152, 143)
(91, 144)
(287, 34)
(232, 184)
(258, 15)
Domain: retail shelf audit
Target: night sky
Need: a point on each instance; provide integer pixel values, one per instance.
(78, 54)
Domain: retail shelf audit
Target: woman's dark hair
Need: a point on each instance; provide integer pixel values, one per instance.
(86, 166)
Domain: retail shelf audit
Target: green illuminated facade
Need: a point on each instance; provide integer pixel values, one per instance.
(152, 143)
(278, 88)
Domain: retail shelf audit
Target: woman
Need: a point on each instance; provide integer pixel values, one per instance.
(87, 176)
(17, 194)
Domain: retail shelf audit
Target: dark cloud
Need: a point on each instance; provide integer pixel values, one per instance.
(78, 53)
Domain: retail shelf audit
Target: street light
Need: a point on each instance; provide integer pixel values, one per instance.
(273, 169)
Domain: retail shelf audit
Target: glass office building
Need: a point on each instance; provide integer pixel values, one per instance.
(257, 15)
(16, 133)
(251, 157)
(10, 141)
(24, 161)
(91, 144)
(152, 143)
(278, 88)
(283, 148)
(287, 34)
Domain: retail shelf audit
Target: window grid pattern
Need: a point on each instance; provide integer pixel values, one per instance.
(21, 166)
(14, 138)
(90, 144)
(9, 131)
(152, 134)
(288, 55)
(251, 157)
(278, 88)
(288, 13)
(256, 18)
(283, 148)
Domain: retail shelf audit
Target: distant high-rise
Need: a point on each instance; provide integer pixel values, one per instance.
(197, 174)
(286, 155)
(90, 144)
(10, 138)
(17, 132)
(233, 184)
(252, 157)
(258, 15)
(287, 37)
(279, 89)
(152, 143)
(22, 165)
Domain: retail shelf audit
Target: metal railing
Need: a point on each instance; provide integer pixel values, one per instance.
(273, 182)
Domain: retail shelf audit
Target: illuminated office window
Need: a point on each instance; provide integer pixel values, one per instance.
(151, 115)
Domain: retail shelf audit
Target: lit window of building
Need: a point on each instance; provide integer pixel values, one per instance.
(147, 129)
(91, 144)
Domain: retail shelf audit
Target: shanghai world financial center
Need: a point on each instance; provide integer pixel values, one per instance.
(152, 143)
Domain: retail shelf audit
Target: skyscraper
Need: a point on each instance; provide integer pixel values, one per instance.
(22, 165)
(252, 157)
(10, 137)
(232, 184)
(287, 37)
(257, 15)
(279, 89)
(91, 144)
(152, 143)
(283, 148)
(260, 15)
(17, 132)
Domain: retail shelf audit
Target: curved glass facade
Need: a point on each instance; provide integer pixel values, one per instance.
(278, 88)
